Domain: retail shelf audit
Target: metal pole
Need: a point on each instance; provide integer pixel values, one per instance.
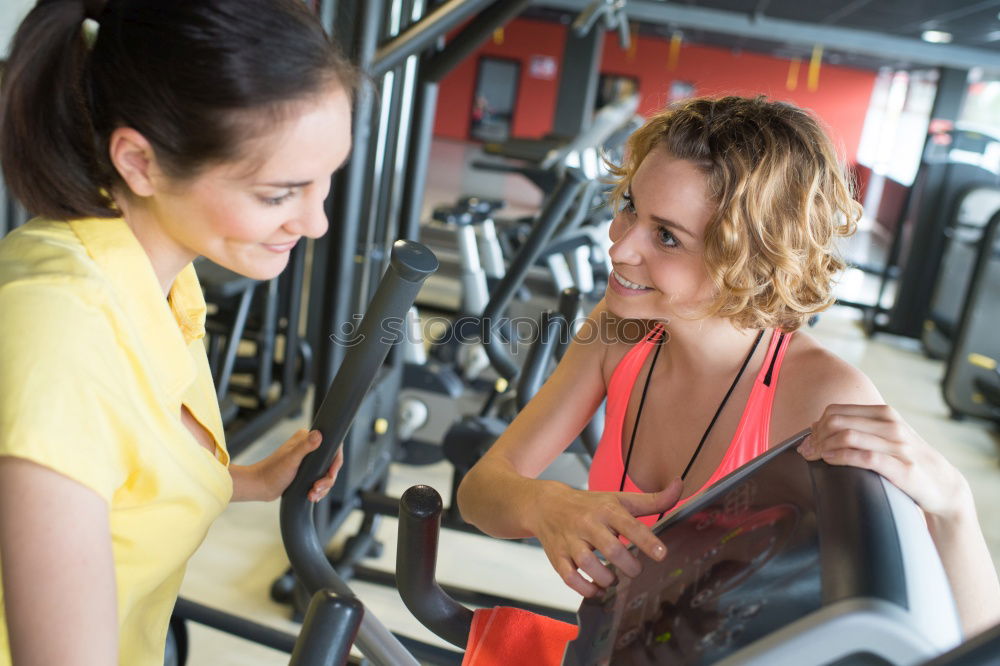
(422, 35)
(472, 36)
(341, 244)
(420, 154)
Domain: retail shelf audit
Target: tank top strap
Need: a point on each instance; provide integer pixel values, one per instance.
(752, 437)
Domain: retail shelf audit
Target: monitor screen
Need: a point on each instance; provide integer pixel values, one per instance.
(740, 564)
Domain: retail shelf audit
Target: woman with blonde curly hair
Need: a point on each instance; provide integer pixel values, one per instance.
(723, 245)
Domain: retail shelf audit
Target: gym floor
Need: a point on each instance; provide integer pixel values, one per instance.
(241, 557)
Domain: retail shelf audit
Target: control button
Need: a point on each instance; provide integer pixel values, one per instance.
(637, 602)
(627, 638)
(664, 637)
(701, 598)
(706, 520)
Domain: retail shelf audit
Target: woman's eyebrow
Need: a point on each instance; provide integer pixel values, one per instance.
(665, 222)
(671, 224)
(289, 184)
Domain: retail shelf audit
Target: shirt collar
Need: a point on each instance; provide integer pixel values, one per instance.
(166, 327)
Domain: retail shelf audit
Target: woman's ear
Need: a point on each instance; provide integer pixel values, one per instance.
(134, 160)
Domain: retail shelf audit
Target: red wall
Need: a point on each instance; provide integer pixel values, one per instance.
(840, 101)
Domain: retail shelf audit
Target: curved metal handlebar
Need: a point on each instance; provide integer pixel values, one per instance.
(416, 559)
(552, 328)
(548, 220)
(570, 301)
(381, 327)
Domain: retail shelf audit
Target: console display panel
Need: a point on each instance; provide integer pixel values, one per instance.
(740, 564)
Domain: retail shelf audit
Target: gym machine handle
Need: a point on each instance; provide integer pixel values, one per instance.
(416, 560)
(548, 220)
(328, 630)
(552, 328)
(381, 327)
(569, 304)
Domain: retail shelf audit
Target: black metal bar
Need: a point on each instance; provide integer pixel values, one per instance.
(265, 341)
(378, 225)
(233, 340)
(235, 625)
(472, 36)
(569, 304)
(294, 312)
(340, 246)
(551, 216)
(577, 94)
(552, 328)
(424, 33)
(328, 631)
(410, 265)
(416, 559)
(421, 138)
(469, 596)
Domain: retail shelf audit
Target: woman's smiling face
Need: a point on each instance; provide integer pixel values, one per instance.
(247, 215)
(658, 241)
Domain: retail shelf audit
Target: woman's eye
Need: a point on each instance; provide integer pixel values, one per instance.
(666, 238)
(629, 206)
(278, 200)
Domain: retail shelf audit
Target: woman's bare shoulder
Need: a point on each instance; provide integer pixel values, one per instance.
(812, 378)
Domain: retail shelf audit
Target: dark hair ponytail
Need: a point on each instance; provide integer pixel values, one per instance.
(195, 77)
(47, 142)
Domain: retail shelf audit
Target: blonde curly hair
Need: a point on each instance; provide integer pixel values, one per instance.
(781, 196)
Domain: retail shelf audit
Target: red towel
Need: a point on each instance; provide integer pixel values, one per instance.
(504, 636)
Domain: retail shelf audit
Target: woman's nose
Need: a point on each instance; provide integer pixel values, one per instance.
(312, 221)
(624, 241)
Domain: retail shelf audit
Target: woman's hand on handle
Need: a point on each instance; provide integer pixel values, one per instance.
(574, 523)
(267, 480)
(875, 437)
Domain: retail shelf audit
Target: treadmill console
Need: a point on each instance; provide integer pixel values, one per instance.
(774, 565)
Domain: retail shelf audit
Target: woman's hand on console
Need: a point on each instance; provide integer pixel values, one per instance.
(571, 524)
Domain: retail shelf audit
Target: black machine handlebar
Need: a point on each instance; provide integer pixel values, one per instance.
(548, 221)
(328, 630)
(552, 328)
(416, 559)
(409, 266)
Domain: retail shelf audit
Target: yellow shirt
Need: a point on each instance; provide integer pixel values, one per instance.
(94, 366)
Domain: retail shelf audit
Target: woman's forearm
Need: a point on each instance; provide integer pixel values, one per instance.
(501, 502)
(967, 561)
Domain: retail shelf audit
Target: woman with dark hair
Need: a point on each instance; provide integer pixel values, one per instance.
(142, 133)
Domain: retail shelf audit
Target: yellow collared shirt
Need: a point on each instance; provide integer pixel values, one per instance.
(94, 367)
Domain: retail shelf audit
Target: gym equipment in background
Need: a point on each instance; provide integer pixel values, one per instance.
(784, 562)
(956, 161)
(971, 384)
(973, 210)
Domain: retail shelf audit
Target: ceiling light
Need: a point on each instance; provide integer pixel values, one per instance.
(935, 36)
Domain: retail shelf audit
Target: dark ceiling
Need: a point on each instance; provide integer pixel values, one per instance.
(788, 28)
